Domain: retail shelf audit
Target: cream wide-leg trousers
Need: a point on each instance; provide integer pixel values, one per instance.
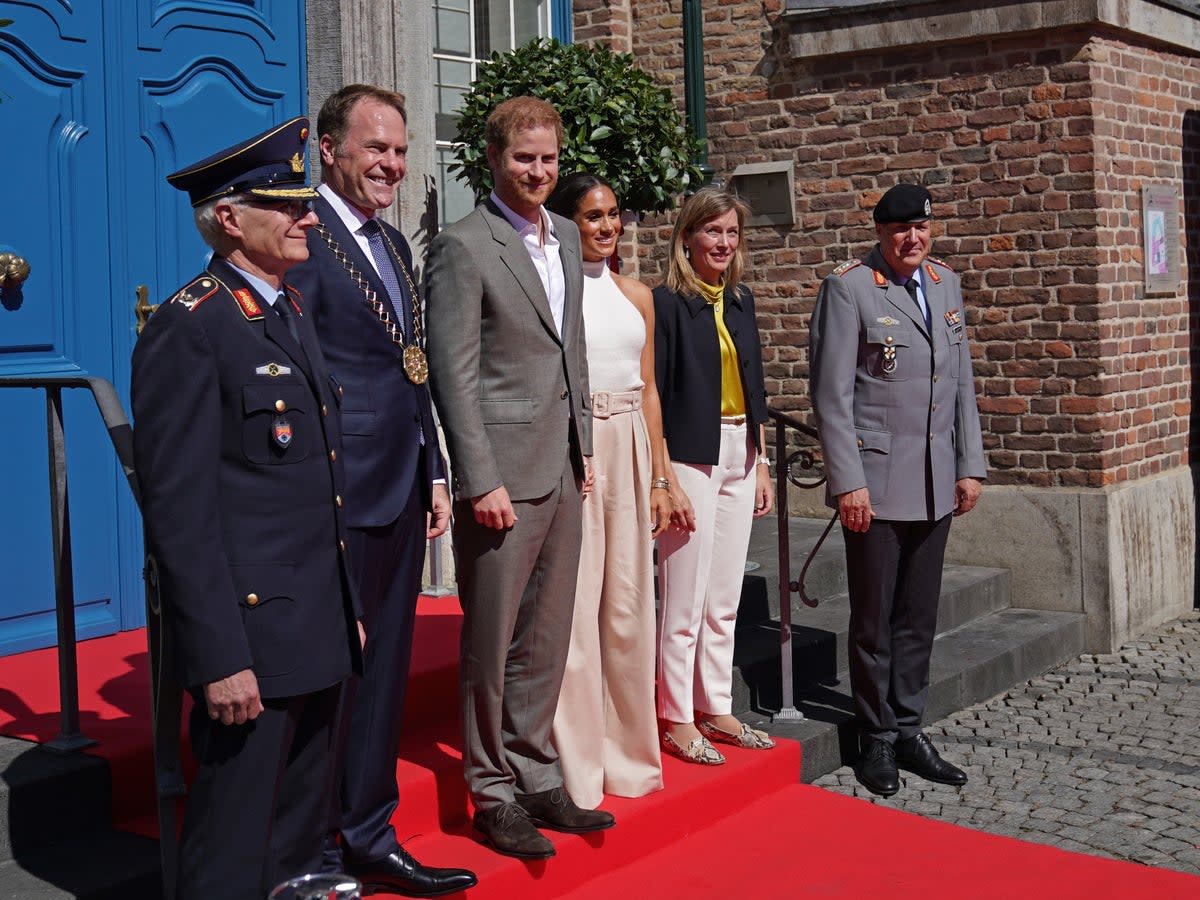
(605, 729)
(700, 582)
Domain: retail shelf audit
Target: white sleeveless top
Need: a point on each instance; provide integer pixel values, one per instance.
(616, 332)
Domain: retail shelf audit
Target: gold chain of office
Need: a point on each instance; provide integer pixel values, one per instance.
(416, 367)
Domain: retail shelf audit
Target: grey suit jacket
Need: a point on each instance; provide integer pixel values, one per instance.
(879, 425)
(512, 395)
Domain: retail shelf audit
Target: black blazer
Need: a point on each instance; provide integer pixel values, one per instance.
(381, 408)
(687, 365)
(235, 429)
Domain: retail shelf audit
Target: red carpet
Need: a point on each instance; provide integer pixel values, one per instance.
(744, 829)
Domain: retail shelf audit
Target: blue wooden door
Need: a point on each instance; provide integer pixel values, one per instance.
(107, 97)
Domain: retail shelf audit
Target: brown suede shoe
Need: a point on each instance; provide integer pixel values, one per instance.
(554, 809)
(506, 829)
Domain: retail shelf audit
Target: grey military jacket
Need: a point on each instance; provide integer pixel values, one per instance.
(894, 400)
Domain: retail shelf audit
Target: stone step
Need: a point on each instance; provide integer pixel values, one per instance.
(106, 865)
(47, 796)
(56, 834)
(819, 635)
(971, 663)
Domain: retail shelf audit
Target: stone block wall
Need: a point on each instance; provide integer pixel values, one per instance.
(1035, 147)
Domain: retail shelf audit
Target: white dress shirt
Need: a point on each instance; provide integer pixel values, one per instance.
(545, 256)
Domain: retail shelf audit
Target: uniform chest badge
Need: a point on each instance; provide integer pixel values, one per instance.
(273, 369)
(953, 319)
(281, 432)
(888, 321)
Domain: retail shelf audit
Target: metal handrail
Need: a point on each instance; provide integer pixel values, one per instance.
(166, 695)
(789, 469)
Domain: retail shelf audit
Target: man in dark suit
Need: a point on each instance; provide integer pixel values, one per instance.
(894, 396)
(358, 284)
(236, 446)
(510, 378)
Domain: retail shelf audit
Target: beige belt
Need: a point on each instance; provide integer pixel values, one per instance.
(609, 403)
(733, 420)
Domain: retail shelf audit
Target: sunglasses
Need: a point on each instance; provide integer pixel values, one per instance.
(294, 209)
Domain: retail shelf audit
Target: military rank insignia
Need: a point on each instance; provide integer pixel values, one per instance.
(889, 360)
(880, 278)
(954, 320)
(847, 266)
(281, 432)
(195, 293)
(273, 369)
(888, 321)
(246, 302)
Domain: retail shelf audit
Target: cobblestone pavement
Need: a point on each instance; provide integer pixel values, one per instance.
(1101, 755)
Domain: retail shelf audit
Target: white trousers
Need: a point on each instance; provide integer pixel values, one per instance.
(605, 729)
(700, 582)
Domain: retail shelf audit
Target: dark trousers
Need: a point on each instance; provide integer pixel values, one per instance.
(894, 572)
(258, 804)
(385, 563)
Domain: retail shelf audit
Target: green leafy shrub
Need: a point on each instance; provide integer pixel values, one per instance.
(618, 123)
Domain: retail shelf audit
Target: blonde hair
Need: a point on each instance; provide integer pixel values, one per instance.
(707, 203)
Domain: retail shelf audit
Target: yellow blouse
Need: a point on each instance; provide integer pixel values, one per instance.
(733, 395)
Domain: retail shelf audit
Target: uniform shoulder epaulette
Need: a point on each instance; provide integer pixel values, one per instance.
(197, 292)
(847, 266)
(938, 262)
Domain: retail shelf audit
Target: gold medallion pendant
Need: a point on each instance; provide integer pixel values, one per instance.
(415, 366)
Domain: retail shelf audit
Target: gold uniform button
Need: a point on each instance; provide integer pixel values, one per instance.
(935, 378)
(333, 455)
(252, 599)
(562, 396)
(931, 435)
(338, 499)
(280, 406)
(324, 410)
(342, 544)
(888, 339)
(860, 443)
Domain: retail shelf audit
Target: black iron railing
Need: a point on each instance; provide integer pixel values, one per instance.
(798, 465)
(165, 693)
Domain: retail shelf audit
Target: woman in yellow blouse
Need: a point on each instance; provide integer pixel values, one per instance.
(708, 362)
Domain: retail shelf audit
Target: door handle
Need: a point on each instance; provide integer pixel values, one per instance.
(13, 271)
(143, 309)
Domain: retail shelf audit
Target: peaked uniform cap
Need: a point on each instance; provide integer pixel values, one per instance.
(269, 165)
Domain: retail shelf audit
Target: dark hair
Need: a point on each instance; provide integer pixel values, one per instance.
(571, 190)
(334, 117)
(518, 114)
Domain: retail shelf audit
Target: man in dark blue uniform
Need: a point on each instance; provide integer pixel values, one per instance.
(358, 285)
(237, 449)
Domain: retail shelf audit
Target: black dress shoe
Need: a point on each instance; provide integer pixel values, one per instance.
(918, 755)
(506, 829)
(554, 809)
(399, 873)
(876, 769)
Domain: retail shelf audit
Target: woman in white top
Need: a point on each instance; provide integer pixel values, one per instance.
(606, 727)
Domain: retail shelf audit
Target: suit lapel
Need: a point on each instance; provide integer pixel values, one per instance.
(514, 255)
(895, 294)
(572, 265)
(273, 328)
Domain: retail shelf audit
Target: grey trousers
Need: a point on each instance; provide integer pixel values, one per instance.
(518, 595)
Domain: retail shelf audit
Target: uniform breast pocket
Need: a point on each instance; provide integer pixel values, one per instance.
(888, 352)
(277, 423)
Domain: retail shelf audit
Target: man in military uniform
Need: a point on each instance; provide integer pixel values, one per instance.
(237, 447)
(894, 398)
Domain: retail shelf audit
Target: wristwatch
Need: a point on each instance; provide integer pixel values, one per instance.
(763, 461)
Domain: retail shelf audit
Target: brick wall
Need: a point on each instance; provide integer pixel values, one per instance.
(1035, 148)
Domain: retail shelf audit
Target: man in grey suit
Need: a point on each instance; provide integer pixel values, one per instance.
(509, 377)
(894, 396)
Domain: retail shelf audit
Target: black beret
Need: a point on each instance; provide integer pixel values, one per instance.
(268, 165)
(904, 203)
